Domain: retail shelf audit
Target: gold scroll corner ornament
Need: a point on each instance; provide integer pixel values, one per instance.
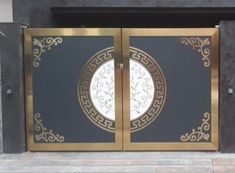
(44, 134)
(200, 45)
(42, 45)
(200, 133)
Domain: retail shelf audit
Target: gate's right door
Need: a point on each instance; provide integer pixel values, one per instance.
(170, 89)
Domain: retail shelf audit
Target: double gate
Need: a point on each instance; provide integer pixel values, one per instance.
(121, 89)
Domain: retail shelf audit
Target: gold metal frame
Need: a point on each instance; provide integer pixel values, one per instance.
(213, 145)
(116, 33)
(122, 106)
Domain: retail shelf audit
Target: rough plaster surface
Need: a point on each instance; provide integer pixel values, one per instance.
(5, 16)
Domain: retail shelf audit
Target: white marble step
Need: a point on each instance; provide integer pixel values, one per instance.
(103, 169)
(102, 162)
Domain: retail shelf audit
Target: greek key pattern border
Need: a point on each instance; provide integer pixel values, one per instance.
(84, 85)
(160, 89)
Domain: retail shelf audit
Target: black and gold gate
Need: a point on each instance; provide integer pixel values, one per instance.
(121, 89)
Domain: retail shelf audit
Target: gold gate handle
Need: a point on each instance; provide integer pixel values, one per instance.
(121, 66)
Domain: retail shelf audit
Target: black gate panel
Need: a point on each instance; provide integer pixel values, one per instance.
(60, 64)
(182, 113)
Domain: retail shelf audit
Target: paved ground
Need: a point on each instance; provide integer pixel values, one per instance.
(159, 162)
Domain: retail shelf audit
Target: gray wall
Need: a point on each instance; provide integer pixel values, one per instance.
(37, 13)
(1, 147)
(227, 80)
(13, 115)
(5, 16)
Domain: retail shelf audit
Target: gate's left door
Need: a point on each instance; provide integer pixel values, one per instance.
(67, 106)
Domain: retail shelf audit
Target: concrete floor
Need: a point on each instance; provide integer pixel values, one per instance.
(159, 162)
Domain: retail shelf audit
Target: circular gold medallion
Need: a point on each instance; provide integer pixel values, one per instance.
(96, 89)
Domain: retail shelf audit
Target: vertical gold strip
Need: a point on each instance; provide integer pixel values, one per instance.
(28, 88)
(215, 88)
(118, 90)
(126, 87)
